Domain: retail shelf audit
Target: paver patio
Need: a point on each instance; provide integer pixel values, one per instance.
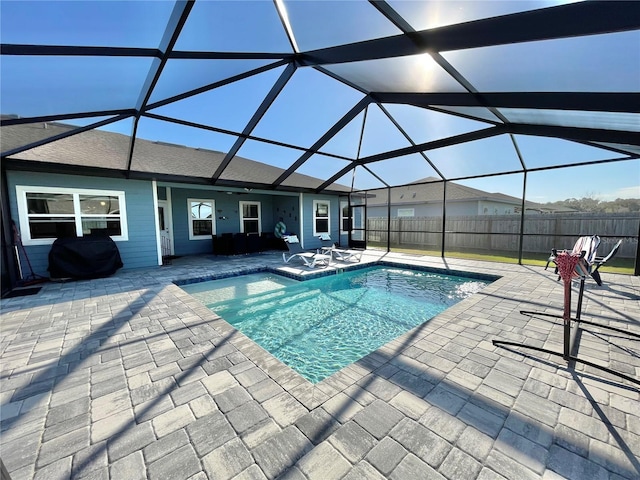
(130, 377)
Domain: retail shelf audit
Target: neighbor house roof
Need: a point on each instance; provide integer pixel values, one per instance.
(430, 190)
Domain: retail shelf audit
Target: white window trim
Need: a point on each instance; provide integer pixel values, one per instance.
(23, 212)
(328, 217)
(343, 204)
(242, 218)
(213, 218)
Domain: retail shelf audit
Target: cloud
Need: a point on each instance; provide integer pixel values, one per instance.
(623, 192)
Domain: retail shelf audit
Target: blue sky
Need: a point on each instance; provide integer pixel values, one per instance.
(311, 102)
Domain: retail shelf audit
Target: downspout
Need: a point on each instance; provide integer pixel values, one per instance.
(301, 216)
(154, 187)
(170, 217)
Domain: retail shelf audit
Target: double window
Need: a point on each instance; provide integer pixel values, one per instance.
(250, 220)
(201, 218)
(321, 217)
(47, 213)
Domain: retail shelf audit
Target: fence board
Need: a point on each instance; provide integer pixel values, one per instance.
(501, 232)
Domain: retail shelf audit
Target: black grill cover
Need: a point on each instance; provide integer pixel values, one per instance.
(91, 256)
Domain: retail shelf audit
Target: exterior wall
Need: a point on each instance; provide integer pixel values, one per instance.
(420, 210)
(496, 208)
(456, 209)
(141, 248)
(272, 207)
(453, 209)
(286, 207)
(308, 240)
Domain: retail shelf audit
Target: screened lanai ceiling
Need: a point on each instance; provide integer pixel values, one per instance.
(359, 94)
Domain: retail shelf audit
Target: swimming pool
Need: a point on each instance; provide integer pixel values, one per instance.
(319, 326)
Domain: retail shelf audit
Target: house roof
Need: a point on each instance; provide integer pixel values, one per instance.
(109, 151)
(430, 190)
(372, 94)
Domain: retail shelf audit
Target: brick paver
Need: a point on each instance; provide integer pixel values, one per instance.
(131, 377)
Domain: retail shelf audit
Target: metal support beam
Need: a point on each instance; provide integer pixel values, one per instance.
(444, 217)
(593, 101)
(636, 270)
(339, 125)
(177, 20)
(563, 21)
(257, 116)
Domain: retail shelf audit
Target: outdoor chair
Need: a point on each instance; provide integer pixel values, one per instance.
(341, 254)
(586, 247)
(347, 255)
(599, 261)
(327, 244)
(310, 259)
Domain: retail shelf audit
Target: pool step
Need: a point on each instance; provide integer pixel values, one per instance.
(256, 305)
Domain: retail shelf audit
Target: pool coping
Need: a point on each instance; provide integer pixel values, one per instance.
(335, 271)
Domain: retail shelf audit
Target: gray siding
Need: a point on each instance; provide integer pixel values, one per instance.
(138, 251)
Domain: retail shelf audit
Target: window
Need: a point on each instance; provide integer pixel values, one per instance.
(250, 221)
(406, 212)
(344, 216)
(47, 213)
(321, 218)
(201, 224)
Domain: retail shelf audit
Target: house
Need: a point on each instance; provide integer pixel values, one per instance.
(163, 204)
(423, 198)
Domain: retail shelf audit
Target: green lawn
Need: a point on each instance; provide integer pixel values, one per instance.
(617, 265)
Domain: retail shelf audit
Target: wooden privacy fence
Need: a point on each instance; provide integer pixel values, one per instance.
(502, 232)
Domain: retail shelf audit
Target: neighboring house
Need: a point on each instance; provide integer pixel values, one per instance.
(166, 203)
(424, 199)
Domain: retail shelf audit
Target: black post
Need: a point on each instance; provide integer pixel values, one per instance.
(10, 266)
(524, 194)
(567, 319)
(444, 215)
(388, 219)
(636, 271)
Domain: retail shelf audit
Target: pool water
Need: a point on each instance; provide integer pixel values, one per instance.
(319, 326)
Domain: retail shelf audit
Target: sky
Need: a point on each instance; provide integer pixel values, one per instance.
(312, 102)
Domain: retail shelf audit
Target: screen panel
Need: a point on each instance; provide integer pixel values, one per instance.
(328, 23)
(75, 84)
(580, 64)
(413, 73)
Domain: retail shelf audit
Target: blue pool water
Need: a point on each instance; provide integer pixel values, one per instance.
(319, 326)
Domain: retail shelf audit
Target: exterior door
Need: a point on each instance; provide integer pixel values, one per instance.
(358, 230)
(164, 222)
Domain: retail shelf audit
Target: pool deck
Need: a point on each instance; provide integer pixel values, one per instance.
(129, 377)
